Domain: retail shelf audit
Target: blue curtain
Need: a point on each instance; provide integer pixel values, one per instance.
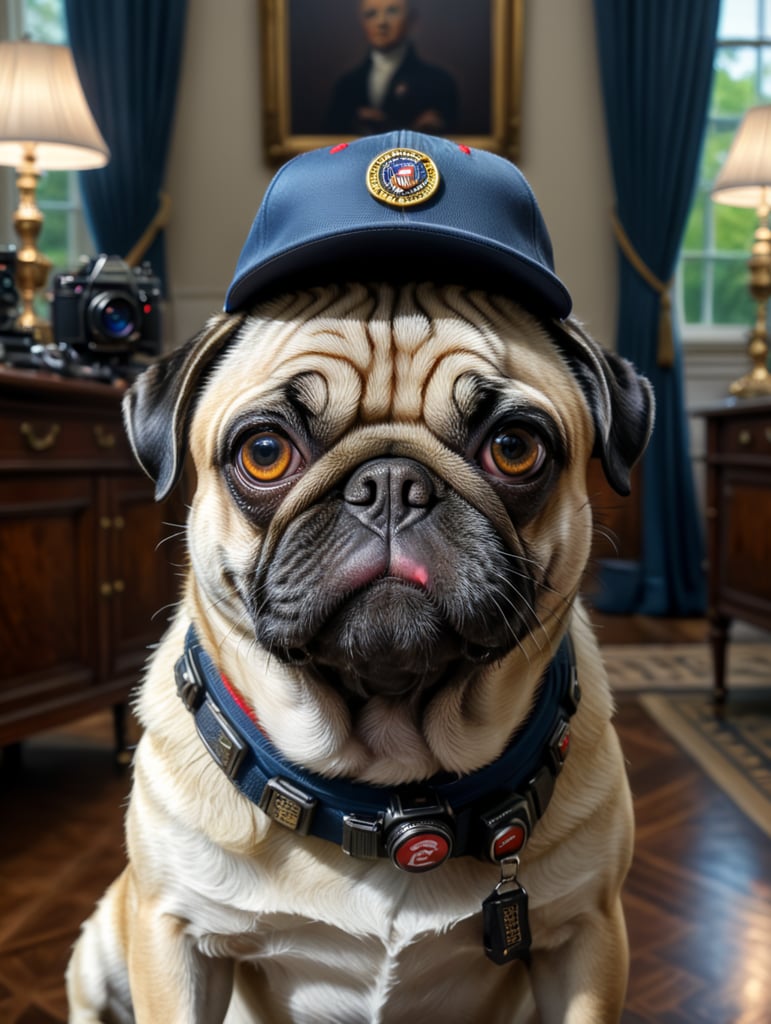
(656, 61)
(128, 53)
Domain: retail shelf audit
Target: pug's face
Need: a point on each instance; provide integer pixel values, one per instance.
(391, 488)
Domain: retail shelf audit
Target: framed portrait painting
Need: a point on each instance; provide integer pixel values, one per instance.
(337, 69)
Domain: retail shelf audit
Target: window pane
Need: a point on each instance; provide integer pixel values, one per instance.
(693, 286)
(716, 145)
(734, 228)
(44, 20)
(738, 19)
(54, 186)
(695, 229)
(732, 301)
(54, 238)
(765, 74)
(736, 85)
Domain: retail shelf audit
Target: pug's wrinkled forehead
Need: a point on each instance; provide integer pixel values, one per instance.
(400, 207)
(357, 354)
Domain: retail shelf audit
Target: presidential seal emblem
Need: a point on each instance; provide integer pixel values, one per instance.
(402, 177)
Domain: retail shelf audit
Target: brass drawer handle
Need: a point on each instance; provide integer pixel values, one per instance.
(745, 437)
(104, 438)
(106, 523)
(40, 442)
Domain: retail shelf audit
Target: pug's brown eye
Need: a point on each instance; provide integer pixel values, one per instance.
(267, 457)
(513, 452)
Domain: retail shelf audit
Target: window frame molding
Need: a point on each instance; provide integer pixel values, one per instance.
(707, 335)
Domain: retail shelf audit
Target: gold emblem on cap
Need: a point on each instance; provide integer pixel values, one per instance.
(402, 177)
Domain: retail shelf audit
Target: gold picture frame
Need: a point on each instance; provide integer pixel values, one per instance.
(307, 46)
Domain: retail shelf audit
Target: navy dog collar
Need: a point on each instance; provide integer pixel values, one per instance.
(489, 813)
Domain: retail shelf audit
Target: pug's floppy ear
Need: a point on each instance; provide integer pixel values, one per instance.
(621, 402)
(158, 406)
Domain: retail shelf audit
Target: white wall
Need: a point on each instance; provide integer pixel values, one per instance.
(564, 154)
(217, 171)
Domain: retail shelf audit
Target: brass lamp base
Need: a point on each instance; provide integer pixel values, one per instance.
(32, 267)
(35, 272)
(750, 386)
(757, 381)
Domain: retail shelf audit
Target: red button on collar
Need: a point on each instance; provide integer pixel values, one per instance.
(419, 846)
(509, 841)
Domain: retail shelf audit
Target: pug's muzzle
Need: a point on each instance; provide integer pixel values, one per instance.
(391, 584)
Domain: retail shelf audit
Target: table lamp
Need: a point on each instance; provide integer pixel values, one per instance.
(745, 180)
(45, 124)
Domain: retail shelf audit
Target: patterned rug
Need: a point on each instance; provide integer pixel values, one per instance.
(668, 667)
(674, 685)
(733, 749)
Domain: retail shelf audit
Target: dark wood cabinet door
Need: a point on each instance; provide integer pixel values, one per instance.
(88, 572)
(745, 543)
(139, 570)
(48, 646)
(738, 518)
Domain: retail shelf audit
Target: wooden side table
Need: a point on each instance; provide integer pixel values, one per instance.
(738, 521)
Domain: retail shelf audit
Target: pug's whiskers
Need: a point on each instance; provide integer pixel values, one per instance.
(180, 531)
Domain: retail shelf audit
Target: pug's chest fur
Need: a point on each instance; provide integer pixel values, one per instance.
(361, 982)
(376, 944)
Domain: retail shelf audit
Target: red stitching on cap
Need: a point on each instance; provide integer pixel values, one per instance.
(464, 149)
(337, 149)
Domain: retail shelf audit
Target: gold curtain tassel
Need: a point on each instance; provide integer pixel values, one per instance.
(665, 351)
(148, 236)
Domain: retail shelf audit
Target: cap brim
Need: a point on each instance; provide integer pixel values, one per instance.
(407, 252)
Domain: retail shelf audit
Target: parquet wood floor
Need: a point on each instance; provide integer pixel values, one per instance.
(698, 898)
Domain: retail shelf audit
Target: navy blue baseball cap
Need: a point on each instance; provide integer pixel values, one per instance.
(400, 206)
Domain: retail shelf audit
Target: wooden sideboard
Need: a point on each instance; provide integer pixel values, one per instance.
(738, 521)
(87, 577)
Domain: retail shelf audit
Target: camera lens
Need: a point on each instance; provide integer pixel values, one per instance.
(117, 318)
(112, 317)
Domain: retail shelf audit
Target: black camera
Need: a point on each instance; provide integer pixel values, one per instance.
(9, 296)
(108, 311)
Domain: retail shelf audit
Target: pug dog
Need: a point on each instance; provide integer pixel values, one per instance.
(378, 777)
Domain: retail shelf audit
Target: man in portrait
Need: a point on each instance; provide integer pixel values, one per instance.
(393, 88)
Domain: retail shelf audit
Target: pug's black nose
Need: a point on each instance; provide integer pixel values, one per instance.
(390, 494)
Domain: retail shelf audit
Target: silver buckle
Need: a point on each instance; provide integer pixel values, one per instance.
(189, 686)
(223, 742)
(362, 836)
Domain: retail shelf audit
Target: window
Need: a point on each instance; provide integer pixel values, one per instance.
(712, 279)
(64, 236)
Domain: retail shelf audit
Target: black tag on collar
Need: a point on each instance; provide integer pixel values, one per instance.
(506, 925)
